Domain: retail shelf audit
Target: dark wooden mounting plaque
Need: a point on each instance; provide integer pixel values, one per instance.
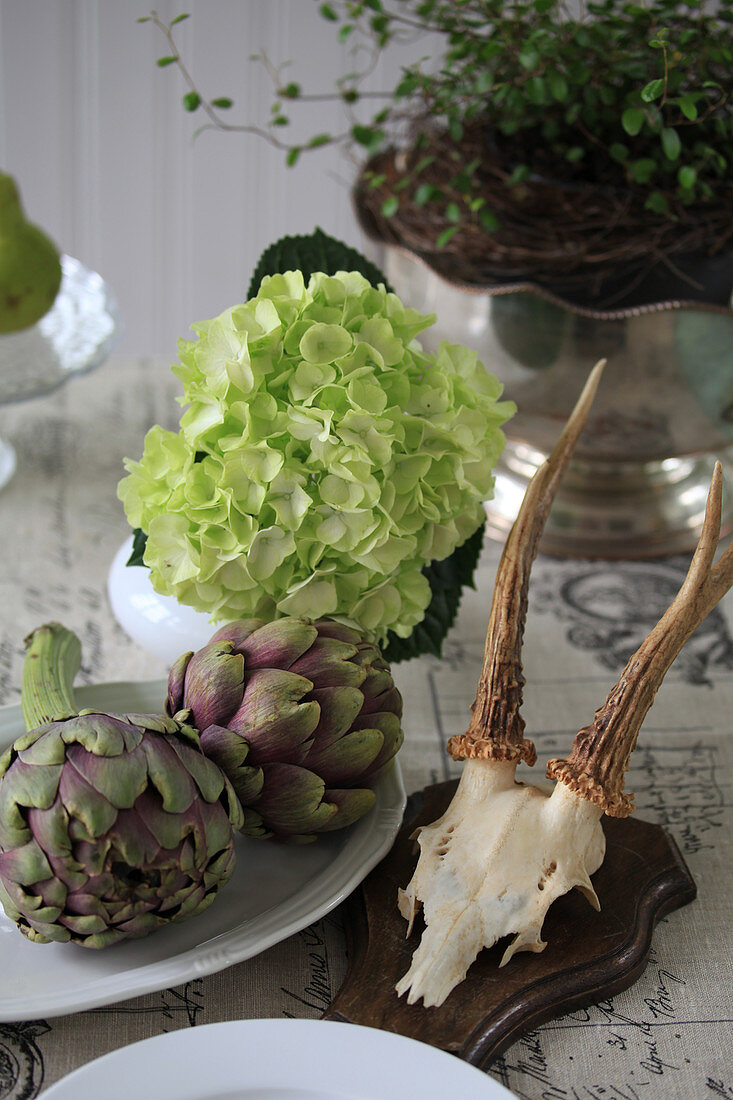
(589, 955)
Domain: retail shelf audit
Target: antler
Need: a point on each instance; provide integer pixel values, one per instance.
(600, 755)
(496, 728)
(494, 862)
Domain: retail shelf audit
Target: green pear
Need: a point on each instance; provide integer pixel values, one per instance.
(30, 268)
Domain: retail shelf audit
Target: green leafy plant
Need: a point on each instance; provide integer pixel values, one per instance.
(629, 97)
(325, 465)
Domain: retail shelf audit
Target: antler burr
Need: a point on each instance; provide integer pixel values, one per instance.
(504, 851)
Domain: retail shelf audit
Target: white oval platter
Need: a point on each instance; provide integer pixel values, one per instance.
(275, 891)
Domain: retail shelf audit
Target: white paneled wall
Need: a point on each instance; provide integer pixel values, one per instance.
(95, 134)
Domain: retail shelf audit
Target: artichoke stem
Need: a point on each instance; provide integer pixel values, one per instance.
(52, 660)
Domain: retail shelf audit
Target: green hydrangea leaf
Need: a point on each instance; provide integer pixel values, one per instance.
(313, 252)
(447, 580)
(139, 541)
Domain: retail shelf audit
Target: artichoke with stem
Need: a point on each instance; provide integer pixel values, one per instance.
(302, 716)
(111, 826)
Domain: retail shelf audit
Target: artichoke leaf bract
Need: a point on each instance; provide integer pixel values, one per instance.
(111, 826)
(302, 717)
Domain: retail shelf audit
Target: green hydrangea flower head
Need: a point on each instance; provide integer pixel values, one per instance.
(322, 461)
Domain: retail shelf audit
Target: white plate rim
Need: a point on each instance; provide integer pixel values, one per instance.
(344, 1060)
(369, 840)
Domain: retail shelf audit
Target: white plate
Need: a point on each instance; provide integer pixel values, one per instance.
(278, 1060)
(275, 891)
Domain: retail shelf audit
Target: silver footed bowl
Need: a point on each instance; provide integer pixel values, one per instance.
(663, 413)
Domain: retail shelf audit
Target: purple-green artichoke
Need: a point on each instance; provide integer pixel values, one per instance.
(302, 716)
(111, 826)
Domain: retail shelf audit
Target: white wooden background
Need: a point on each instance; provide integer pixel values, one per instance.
(103, 151)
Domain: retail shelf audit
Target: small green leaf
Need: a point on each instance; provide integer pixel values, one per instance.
(328, 13)
(518, 175)
(575, 154)
(643, 169)
(671, 143)
(318, 140)
(489, 221)
(455, 128)
(686, 177)
(652, 90)
(163, 61)
(529, 59)
(365, 135)
(446, 236)
(180, 18)
(143, 19)
(423, 194)
(619, 152)
(390, 206)
(290, 91)
(558, 86)
(536, 91)
(292, 156)
(345, 31)
(657, 202)
(632, 120)
(368, 136)
(222, 102)
(688, 107)
(453, 212)
(191, 101)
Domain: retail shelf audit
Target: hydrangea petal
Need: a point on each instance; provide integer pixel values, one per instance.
(324, 343)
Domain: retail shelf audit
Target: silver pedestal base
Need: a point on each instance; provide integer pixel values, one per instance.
(614, 510)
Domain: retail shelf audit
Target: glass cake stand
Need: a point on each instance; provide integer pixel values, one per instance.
(75, 336)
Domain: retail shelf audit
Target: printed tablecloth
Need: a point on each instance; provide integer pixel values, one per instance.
(667, 1036)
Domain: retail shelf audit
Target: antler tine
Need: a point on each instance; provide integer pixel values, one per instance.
(600, 754)
(496, 729)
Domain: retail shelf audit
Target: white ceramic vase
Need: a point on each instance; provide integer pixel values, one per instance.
(159, 624)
